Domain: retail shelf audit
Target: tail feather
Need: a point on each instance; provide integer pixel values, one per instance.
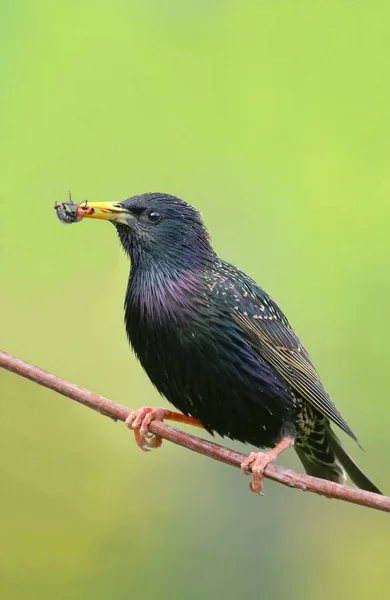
(324, 457)
(355, 473)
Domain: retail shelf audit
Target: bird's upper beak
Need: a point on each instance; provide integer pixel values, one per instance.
(108, 211)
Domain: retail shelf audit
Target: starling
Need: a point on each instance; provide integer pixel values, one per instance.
(217, 346)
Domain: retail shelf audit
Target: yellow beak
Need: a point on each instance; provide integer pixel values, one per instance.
(108, 211)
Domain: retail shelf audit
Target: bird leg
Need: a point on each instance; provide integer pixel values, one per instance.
(258, 461)
(140, 419)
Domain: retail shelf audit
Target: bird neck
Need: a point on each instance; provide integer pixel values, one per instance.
(166, 272)
(162, 290)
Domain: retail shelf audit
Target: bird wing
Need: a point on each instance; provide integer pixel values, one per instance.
(270, 334)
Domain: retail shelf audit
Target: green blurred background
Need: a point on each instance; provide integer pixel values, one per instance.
(274, 119)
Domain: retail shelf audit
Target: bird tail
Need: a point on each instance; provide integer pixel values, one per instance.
(323, 455)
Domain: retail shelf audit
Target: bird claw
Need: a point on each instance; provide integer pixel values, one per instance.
(139, 421)
(256, 463)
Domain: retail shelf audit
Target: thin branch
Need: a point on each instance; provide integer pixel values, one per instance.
(119, 412)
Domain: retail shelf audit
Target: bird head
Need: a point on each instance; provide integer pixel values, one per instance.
(157, 228)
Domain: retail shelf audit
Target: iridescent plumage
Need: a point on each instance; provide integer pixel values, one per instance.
(217, 346)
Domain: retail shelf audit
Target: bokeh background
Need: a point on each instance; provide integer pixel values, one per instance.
(274, 119)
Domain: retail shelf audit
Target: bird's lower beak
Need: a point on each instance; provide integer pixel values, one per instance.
(108, 211)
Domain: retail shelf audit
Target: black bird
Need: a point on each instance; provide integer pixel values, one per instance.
(217, 346)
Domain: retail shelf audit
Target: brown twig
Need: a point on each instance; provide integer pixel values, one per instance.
(119, 412)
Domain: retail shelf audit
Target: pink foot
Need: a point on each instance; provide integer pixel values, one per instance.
(258, 461)
(139, 421)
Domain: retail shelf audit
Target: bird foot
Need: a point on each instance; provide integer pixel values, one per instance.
(257, 462)
(139, 421)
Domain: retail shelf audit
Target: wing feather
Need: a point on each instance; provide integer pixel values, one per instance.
(269, 332)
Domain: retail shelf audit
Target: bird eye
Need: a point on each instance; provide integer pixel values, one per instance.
(154, 217)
